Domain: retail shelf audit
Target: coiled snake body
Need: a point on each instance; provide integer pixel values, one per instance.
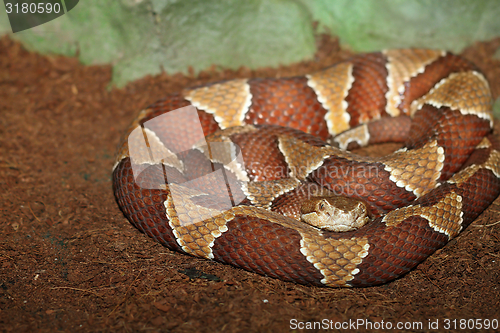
(244, 208)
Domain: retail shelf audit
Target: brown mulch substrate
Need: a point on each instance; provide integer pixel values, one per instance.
(70, 261)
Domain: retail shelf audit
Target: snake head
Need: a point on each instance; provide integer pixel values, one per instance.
(335, 213)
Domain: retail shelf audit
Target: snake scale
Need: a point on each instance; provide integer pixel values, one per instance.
(222, 171)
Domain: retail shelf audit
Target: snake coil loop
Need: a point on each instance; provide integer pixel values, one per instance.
(287, 139)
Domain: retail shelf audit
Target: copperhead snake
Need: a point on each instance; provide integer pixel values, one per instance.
(275, 143)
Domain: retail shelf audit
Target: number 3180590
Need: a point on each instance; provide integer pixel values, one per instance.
(32, 8)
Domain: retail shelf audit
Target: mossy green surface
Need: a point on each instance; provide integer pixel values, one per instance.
(367, 25)
(140, 37)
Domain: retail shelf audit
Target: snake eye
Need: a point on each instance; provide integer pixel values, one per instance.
(321, 206)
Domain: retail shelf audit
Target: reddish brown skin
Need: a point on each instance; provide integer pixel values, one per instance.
(267, 162)
(266, 248)
(143, 208)
(434, 72)
(366, 97)
(287, 102)
(270, 249)
(368, 182)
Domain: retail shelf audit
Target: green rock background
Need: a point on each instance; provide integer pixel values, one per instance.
(142, 37)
